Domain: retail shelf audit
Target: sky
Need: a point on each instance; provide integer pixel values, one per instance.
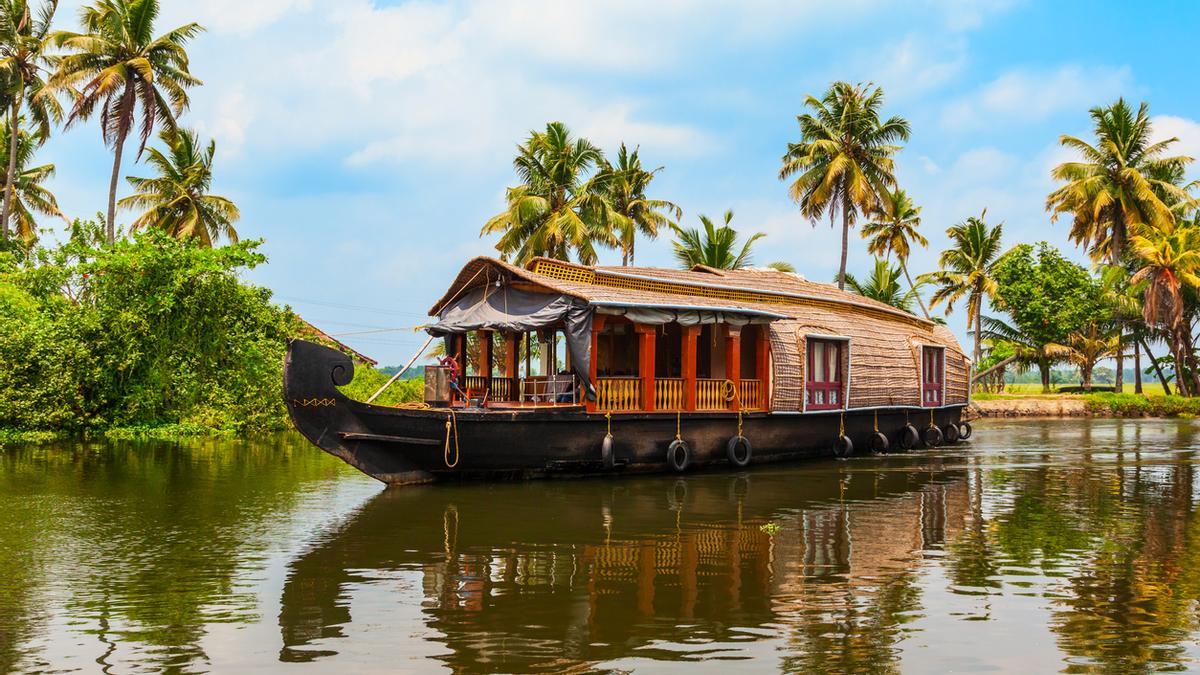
(367, 141)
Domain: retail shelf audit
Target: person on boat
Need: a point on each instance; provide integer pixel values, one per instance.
(451, 364)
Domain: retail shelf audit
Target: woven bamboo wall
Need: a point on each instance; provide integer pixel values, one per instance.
(885, 359)
(787, 372)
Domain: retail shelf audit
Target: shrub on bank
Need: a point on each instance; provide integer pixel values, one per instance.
(1137, 405)
(145, 333)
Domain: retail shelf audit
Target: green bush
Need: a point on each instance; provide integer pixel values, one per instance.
(1136, 405)
(144, 333)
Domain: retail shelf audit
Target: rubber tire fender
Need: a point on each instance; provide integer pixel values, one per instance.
(965, 430)
(932, 436)
(606, 451)
(679, 455)
(951, 433)
(909, 437)
(843, 447)
(731, 449)
(880, 442)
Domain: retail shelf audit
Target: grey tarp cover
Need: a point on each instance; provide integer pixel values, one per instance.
(512, 310)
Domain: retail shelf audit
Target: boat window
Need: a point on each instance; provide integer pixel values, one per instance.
(932, 375)
(823, 390)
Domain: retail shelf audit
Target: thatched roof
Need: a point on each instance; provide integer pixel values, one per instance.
(701, 287)
(885, 341)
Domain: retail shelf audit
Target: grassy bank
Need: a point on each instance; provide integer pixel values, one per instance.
(1135, 405)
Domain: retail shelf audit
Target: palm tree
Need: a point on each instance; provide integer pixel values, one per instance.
(843, 162)
(1123, 183)
(894, 230)
(120, 67)
(1086, 347)
(1170, 259)
(557, 209)
(782, 266)
(1120, 183)
(633, 213)
(966, 269)
(23, 69)
(883, 284)
(178, 201)
(713, 246)
(27, 194)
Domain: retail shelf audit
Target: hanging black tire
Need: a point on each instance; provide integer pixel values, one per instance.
(880, 442)
(965, 430)
(606, 451)
(679, 456)
(739, 451)
(843, 447)
(909, 437)
(951, 433)
(932, 436)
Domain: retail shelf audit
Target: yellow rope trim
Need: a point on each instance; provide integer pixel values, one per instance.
(451, 422)
(678, 426)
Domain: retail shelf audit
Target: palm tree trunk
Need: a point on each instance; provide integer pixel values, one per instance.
(1157, 369)
(112, 187)
(911, 285)
(1181, 383)
(978, 335)
(1119, 380)
(845, 240)
(1137, 368)
(1044, 370)
(6, 209)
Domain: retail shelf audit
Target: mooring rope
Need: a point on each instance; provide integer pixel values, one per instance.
(678, 426)
(451, 423)
(732, 394)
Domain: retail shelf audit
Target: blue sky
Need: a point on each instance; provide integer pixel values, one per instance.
(367, 142)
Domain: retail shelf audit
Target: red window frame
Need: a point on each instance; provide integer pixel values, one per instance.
(824, 381)
(933, 376)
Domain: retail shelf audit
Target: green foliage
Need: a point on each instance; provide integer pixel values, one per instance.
(883, 284)
(368, 380)
(1047, 296)
(1136, 405)
(147, 332)
(178, 200)
(713, 246)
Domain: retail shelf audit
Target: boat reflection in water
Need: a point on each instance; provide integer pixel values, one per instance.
(608, 574)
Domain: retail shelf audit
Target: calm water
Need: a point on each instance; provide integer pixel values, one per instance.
(1041, 546)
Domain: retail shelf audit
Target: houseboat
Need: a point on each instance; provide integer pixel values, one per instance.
(556, 368)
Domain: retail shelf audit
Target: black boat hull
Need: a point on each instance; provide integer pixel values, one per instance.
(405, 446)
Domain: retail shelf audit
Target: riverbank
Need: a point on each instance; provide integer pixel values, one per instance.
(1085, 405)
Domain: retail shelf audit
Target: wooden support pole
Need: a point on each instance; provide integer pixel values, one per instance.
(594, 365)
(733, 362)
(762, 367)
(485, 353)
(646, 337)
(688, 336)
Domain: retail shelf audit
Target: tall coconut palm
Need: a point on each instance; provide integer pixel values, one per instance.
(24, 64)
(894, 231)
(128, 74)
(1120, 182)
(634, 213)
(177, 201)
(843, 161)
(1123, 183)
(28, 194)
(883, 284)
(559, 208)
(1170, 263)
(713, 246)
(966, 269)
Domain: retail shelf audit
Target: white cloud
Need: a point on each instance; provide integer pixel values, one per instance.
(1024, 96)
(917, 64)
(1186, 130)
